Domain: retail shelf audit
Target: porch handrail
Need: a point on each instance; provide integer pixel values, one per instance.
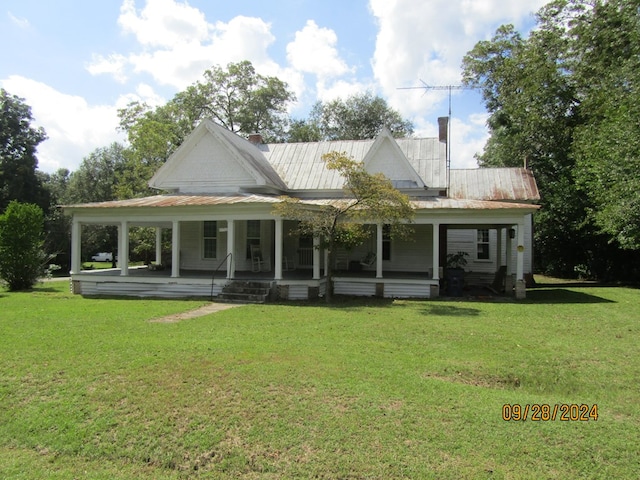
(213, 275)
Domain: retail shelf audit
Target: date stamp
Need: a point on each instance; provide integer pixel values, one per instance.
(548, 413)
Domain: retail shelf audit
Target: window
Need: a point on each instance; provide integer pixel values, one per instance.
(210, 241)
(253, 235)
(483, 244)
(386, 242)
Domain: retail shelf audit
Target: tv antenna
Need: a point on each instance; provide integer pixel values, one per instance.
(426, 87)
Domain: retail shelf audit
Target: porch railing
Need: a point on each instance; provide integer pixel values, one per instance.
(305, 256)
(213, 275)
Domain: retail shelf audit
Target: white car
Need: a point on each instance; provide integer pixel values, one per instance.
(103, 257)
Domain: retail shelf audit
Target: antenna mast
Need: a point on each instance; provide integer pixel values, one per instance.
(449, 88)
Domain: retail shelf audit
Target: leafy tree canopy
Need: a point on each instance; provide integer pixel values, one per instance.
(237, 97)
(565, 101)
(18, 143)
(359, 117)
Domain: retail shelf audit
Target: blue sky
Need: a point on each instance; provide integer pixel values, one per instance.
(76, 62)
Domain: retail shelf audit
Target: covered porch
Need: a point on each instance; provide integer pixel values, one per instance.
(240, 239)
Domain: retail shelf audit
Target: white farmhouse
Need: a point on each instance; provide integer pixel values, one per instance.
(218, 196)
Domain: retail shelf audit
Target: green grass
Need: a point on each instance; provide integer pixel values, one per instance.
(90, 388)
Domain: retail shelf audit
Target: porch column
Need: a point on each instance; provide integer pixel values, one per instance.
(231, 240)
(158, 245)
(316, 257)
(499, 248)
(278, 240)
(123, 248)
(436, 251)
(326, 261)
(508, 282)
(520, 285)
(175, 249)
(379, 250)
(76, 254)
(435, 288)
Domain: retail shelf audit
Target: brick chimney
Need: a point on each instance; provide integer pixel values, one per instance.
(255, 138)
(443, 127)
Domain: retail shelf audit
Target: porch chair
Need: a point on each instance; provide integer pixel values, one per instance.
(369, 260)
(257, 261)
(288, 264)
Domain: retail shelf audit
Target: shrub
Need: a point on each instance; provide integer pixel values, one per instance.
(22, 257)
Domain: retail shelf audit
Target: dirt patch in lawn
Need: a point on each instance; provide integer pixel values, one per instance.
(198, 312)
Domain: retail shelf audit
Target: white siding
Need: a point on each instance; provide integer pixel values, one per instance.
(160, 290)
(346, 287)
(298, 292)
(191, 245)
(406, 290)
(412, 255)
(208, 155)
(465, 241)
(192, 249)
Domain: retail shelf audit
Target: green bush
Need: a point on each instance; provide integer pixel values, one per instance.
(22, 257)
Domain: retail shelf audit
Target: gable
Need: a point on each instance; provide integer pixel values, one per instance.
(386, 157)
(214, 160)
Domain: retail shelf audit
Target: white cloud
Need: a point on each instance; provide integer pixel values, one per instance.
(314, 51)
(163, 23)
(178, 44)
(468, 139)
(20, 22)
(427, 41)
(340, 89)
(113, 65)
(74, 128)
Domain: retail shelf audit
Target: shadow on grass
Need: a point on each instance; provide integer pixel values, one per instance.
(342, 302)
(450, 311)
(555, 295)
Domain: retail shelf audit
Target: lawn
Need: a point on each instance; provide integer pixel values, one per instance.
(375, 389)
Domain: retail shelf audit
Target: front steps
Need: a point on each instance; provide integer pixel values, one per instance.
(245, 292)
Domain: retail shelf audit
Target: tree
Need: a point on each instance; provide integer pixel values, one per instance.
(98, 180)
(238, 98)
(242, 100)
(553, 99)
(21, 256)
(607, 143)
(359, 117)
(303, 131)
(18, 144)
(369, 198)
(153, 134)
(57, 225)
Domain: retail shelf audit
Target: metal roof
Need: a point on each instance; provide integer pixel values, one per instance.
(176, 200)
(170, 200)
(493, 184)
(443, 203)
(301, 167)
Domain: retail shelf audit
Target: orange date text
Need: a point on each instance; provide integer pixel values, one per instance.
(545, 412)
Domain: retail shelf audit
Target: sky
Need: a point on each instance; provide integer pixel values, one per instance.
(76, 62)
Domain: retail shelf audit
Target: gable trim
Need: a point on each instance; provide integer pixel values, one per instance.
(244, 159)
(385, 137)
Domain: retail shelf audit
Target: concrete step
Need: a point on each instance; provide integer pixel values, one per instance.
(245, 292)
